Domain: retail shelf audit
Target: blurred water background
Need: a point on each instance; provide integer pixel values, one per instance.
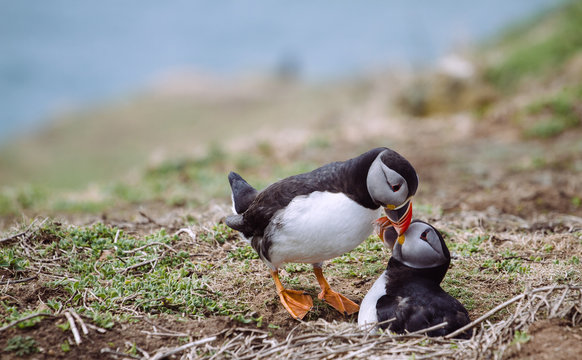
(63, 54)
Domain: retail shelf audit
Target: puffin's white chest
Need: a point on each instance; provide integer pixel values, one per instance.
(368, 313)
(318, 227)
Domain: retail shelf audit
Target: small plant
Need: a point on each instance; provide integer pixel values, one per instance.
(507, 254)
(64, 326)
(297, 268)
(520, 337)
(132, 350)
(506, 265)
(12, 261)
(248, 319)
(21, 345)
(548, 248)
(242, 253)
(219, 233)
(472, 245)
(65, 346)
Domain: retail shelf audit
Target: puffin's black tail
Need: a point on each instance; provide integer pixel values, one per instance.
(235, 222)
(243, 194)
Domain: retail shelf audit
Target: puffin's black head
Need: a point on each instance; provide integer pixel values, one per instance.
(423, 246)
(392, 182)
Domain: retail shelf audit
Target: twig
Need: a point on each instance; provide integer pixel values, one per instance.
(150, 219)
(373, 326)
(31, 316)
(146, 355)
(358, 352)
(13, 237)
(16, 236)
(144, 318)
(161, 355)
(428, 329)
(501, 306)
(97, 328)
(118, 353)
(557, 306)
(148, 245)
(205, 290)
(73, 328)
(187, 231)
(164, 334)
(115, 240)
(8, 282)
(80, 321)
(251, 330)
(123, 271)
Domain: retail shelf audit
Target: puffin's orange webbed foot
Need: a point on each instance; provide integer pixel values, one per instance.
(297, 303)
(339, 302)
(335, 299)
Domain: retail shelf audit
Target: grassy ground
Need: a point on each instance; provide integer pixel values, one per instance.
(144, 263)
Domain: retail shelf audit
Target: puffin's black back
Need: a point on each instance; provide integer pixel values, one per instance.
(348, 177)
(416, 300)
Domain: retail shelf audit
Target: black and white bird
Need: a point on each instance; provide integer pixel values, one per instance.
(408, 296)
(322, 214)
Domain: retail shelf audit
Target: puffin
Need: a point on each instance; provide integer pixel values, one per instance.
(408, 297)
(319, 215)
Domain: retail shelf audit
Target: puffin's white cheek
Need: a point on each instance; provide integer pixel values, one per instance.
(419, 254)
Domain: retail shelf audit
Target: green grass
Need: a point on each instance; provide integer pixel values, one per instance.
(506, 266)
(553, 114)
(187, 182)
(21, 345)
(471, 246)
(537, 46)
(458, 289)
(101, 269)
(366, 260)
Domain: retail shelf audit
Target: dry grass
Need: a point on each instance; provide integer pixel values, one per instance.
(325, 340)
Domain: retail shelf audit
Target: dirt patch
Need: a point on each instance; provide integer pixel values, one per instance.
(553, 339)
(55, 343)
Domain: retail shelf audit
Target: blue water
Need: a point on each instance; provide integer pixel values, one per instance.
(69, 53)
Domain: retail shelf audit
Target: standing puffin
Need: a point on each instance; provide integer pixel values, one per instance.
(322, 214)
(409, 291)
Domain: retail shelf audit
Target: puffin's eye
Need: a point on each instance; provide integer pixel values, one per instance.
(396, 187)
(424, 234)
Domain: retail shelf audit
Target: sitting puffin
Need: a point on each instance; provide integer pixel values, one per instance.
(409, 291)
(322, 214)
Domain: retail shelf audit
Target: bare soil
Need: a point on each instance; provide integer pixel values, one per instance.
(552, 339)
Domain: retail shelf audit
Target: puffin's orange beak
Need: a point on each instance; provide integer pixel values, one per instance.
(404, 222)
(383, 223)
(399, 226)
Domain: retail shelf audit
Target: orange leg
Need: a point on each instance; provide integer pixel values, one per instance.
(296, 302)
(337, 300)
